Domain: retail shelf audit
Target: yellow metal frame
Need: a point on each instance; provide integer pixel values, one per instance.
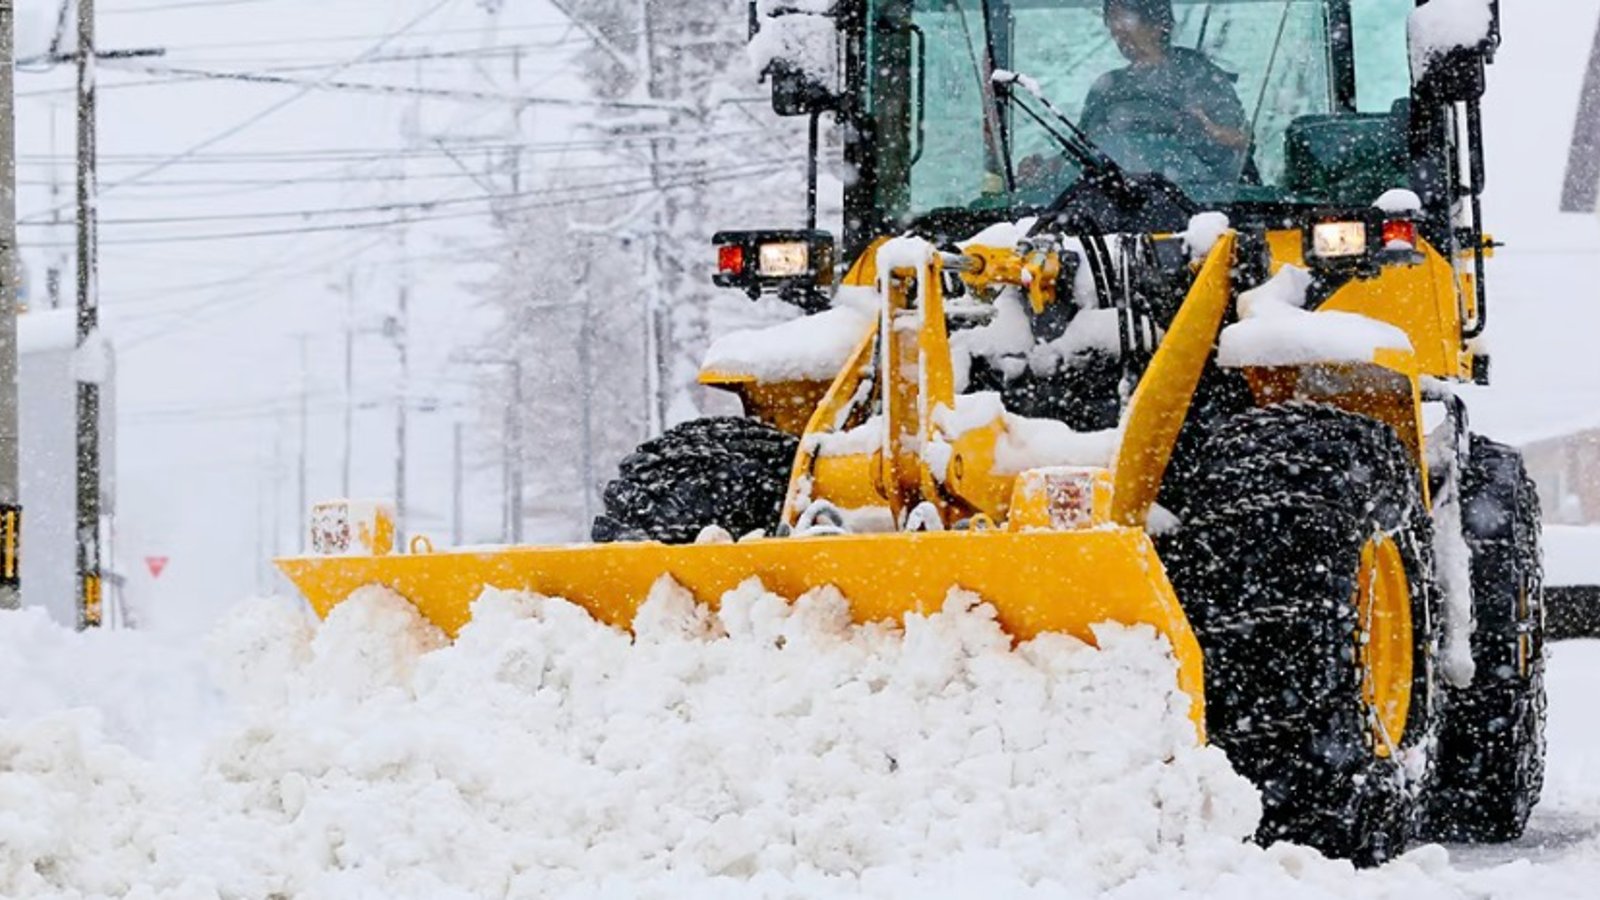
(91, 605)
(1161, 402)
(785, 405)
(917, 380)
(11, 535)
(1040, 571)
(1038, 575)
(1426, 301)
(1034, 504)
(833, 414)
(789, 405)
(1388, 390)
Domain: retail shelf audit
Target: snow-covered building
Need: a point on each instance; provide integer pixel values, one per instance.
(1566, 467)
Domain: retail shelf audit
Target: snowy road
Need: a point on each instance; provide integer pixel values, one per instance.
(1569, 816)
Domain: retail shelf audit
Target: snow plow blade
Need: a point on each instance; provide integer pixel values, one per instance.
(1038, 581)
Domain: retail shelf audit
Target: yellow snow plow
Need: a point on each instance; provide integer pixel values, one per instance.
(1040, 582)
(1053, 548)
(1162, 360)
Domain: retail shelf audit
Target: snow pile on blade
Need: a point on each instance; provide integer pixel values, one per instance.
(544, 753)
(771, 750)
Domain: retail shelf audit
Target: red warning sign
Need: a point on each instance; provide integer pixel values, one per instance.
(156, 564)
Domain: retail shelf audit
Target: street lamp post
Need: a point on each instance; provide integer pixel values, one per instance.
(10, 494)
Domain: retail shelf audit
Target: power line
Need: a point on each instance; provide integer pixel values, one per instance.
(352, 38)
(342, 174)
(398, 90)
(362, 154)
(271, 182)
(189, 74)
(296, 213)
(289, 407)
(275, 273)
(177, 4)
(199, 313)
(581, 194)
(765, 168)
(302, 63)
(400, 206)
(249, 121)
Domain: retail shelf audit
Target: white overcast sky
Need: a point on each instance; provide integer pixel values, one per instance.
(207, 330)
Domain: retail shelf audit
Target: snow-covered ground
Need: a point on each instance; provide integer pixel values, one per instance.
(1571, 555)
(768, 751)
(1565, 829)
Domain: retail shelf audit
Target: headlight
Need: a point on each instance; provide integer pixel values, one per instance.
(795, 265)
(789, 259)
(1339, 240)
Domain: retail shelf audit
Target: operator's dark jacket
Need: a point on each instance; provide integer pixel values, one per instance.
(1137, 100)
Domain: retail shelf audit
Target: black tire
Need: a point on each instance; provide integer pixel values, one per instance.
(1082, 393)
(1282, 503)
(728, 472)
(1490, 764)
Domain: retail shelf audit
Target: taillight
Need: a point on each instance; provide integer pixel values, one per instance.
(1400, 231)
(730, 259)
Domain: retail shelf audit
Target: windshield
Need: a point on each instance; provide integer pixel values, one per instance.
(1234, 100)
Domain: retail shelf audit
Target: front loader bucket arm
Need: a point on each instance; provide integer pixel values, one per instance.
(1161, 401)
(1038, 581)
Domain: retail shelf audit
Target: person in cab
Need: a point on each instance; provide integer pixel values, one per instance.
(1171, 109)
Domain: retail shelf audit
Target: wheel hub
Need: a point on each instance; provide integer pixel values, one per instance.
(1384, 640)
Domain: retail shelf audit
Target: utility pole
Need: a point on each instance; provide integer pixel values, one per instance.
(455, 490)
(10, 494)
(261, 527)
(303, 510)
(654, 375)
(52, 277)
(513, 460)
(505, 478)
(349, 381)
(410, 127)
(400, 402)
(511, 507)
(514, 419)
(88, 518)
(516, 124)
(586, 372)
(657, 324)
(277, 487)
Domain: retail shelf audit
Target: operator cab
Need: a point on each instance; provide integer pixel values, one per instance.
(1285, 67)
(1332, 120)
(1263, 107)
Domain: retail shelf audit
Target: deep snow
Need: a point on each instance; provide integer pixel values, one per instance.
(769, 751)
